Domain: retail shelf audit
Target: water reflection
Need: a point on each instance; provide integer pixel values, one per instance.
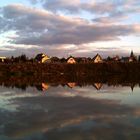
(98, 86)
(69, 110)
(71, 85)
(43, 86)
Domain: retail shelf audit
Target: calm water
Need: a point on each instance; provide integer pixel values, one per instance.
(70, 112)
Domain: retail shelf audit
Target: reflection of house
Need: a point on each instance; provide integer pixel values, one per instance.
(98, 86)
(71, 85)
(2, 59)
(97, 59)
(71, 60)
(42, 58)
(45, 86)
(131, 85)
(42, 86)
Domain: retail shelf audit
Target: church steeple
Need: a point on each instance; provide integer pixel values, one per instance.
(132, 54)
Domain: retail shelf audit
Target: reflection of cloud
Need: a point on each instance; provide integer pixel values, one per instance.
(47, 113)
(54, 112)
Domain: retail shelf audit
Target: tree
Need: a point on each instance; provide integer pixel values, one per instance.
(63, 60)
(23, 58)
(55, 59)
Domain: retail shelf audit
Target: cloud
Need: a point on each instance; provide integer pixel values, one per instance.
(46, 28)
(114, 18)
(103, 10)
(80, 34)
(93, 6)
(40, 27)
(77, 6)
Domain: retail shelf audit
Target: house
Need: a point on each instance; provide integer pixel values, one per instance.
(42, 58)
(2, 59)
(97, 59)
(131, 58)
(71, 60)
(116, 58)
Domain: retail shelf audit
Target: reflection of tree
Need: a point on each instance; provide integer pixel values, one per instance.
(38, 87)
(44, 86)
(23, 82)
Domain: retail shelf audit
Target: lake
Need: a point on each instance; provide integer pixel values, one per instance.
(70, 111)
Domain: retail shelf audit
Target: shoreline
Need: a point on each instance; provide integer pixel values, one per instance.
(82, 74)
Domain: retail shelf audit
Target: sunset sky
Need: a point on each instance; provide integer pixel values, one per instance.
(69, 27)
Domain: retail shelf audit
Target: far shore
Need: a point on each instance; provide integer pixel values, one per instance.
(85, 69)
(131, 70)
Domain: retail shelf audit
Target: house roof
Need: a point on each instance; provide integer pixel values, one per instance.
(70, 57)
(77, 58)
(2, 57)
(40, 56)
(96, 56)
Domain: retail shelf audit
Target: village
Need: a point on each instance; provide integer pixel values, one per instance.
(43, 58)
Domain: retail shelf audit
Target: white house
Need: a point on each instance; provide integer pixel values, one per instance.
(71, 60)
(2, 59)
(97, 59)
(46, 59)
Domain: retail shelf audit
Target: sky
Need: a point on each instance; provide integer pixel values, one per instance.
(62, 28)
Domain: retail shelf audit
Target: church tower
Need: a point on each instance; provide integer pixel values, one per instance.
(132, 54)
